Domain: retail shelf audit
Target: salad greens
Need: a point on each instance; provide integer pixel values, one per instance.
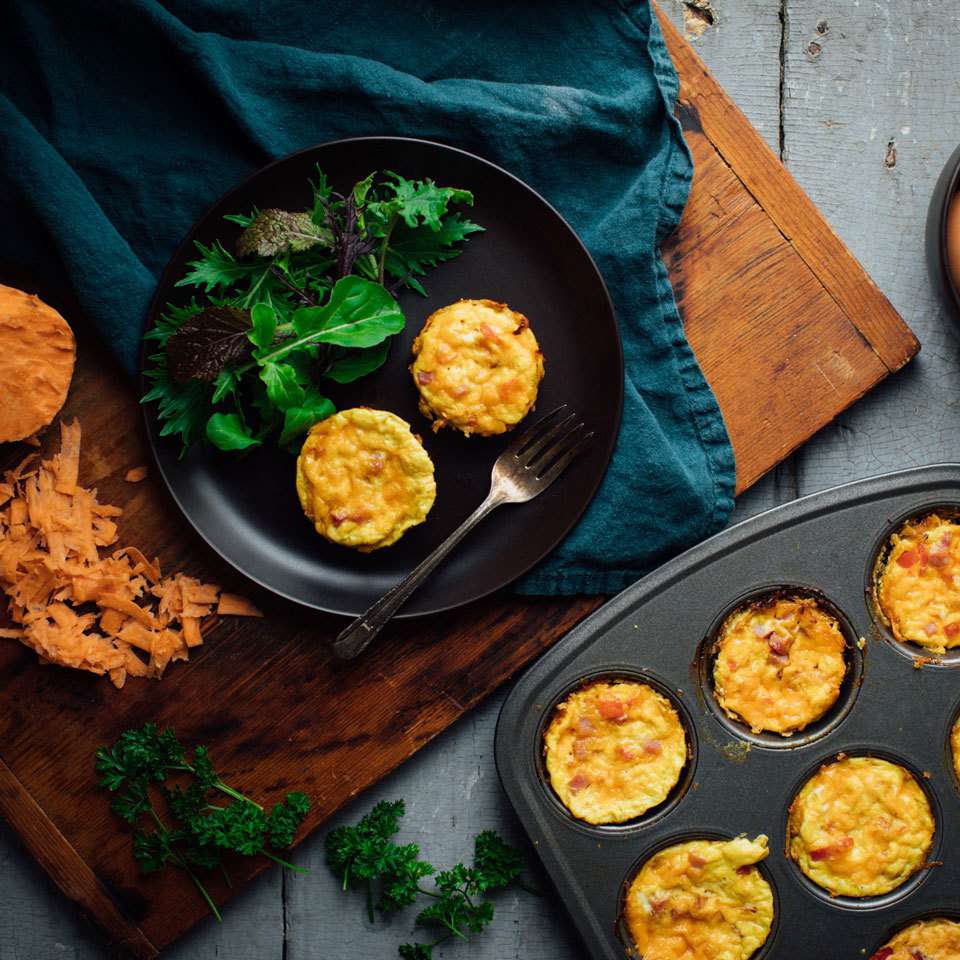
(306, 296)
(364, 855)
(197, 830)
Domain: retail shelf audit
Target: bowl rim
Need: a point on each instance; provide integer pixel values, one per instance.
(952, 190)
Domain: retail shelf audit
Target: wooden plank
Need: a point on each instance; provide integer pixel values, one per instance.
(68, 870)
(284, 715)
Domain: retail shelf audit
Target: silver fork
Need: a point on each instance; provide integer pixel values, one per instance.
(525, 469)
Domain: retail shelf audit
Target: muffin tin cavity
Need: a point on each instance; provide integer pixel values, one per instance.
(951, 915)
(816, 729)
(614, 675)
(879, 558)
(623, 932)
(910, 883)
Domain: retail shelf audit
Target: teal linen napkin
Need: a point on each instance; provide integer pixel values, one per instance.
(121, 123)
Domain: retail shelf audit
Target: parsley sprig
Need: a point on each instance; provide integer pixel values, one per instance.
(391, 874)
(198, 830)
(303, 297)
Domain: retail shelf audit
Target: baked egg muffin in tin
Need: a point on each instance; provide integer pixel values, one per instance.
(701, 899)
(613, 750)
(779, 664)
(364, 479)
(934, 939)
(917, 588)
(860, 827)
(478, 366)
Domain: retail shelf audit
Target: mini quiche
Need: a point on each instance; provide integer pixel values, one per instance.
(860, 826)
(701, 900)
(614, 750)
(779, 664)
(477, 366)
(935, 939)
(918, 587)
(363, 478)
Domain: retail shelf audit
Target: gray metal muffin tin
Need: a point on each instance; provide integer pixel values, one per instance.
(662, 629)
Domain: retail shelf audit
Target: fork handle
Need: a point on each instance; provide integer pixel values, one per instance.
(358, 636)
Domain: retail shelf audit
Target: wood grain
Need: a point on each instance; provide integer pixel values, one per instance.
(777, 339)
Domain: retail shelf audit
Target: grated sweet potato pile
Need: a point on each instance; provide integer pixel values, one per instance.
(113, 614)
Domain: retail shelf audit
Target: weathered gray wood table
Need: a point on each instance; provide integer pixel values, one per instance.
(862, 100)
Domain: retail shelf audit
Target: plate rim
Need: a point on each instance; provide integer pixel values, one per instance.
(150, 417)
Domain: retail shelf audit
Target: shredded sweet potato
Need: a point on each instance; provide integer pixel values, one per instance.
(77, 608)
(37, 353)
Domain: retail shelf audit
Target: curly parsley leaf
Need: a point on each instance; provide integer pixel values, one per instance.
(197, 831)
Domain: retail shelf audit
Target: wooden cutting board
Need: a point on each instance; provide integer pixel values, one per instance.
(789, 330)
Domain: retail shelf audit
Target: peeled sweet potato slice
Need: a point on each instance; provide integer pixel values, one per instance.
(37, 354)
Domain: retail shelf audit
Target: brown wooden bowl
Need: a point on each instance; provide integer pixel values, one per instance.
(947, 186)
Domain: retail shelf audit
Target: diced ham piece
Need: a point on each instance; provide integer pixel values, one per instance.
(951, 629)
(653, 748)
(578, 783)
(424, 377)
(626, 752)
(338, 516)
(908, 558)
(585, 726)
(580, 749)
(696, 861)
(883, 954)
(918, 954)
(488, 331)
(745, 869)
(930, 629)
(658, 903)
(939, 558)
(832, 849)
(612, 709)
(780, 646)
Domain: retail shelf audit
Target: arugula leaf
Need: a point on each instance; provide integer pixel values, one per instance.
(277, 231)
(358, 313)
(298, 420)
(283, 390)
(226, 431)
(206, 342)
(358, 363)
(263, 319)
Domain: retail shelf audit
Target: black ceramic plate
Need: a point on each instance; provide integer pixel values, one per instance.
(530, 258)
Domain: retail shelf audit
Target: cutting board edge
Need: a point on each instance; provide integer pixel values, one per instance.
(787, 204)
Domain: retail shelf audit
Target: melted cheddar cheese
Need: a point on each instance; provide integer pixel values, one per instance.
(364, 479)
(614, 750)
(779, 664)
(918, 587)
(701, 900)
(860, 826)
(936, 939)
(477, 366)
